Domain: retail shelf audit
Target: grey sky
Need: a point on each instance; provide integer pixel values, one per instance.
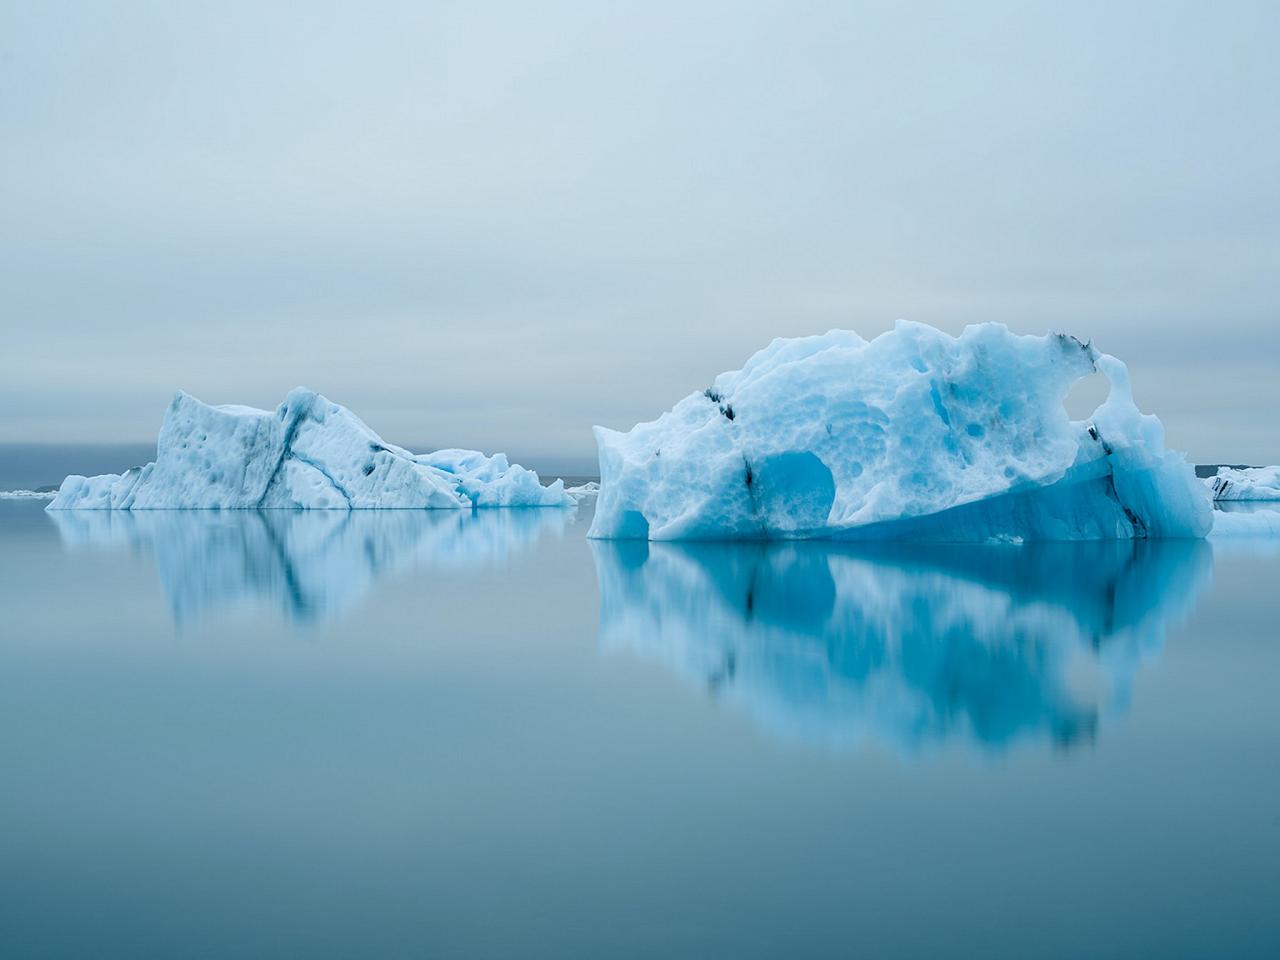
(494, 225)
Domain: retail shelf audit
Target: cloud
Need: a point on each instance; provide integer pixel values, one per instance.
(496, 224)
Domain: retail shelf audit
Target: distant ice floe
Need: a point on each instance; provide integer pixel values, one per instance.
(1245, 523)
(309, 454)
(589, 489)
(311, 565)
(27, 494)
(915, 435)
(906, 646)
(1245, 483)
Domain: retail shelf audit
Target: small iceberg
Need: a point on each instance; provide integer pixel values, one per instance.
(311, 454)
(1245, 483)
(26, 494)
(584, 490)
(915, 435)
(1245, 523)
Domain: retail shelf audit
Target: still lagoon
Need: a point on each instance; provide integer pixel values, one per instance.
(409, 733)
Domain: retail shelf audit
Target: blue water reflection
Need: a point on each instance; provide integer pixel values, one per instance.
(907, 645)
(311, 565)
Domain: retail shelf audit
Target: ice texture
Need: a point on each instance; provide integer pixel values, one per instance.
(310, 453)
(1246, 523)
(915, 435)
(1245, 483)
(905, 645)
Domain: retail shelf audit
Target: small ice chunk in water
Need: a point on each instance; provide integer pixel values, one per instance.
(1252, 523)
(1245, 483)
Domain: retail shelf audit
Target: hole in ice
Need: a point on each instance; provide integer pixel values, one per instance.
(795, 490)
(975, 430)
(368, 469)
(633, 525)
(1086, 395)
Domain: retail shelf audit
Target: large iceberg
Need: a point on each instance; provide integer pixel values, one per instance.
(915, 435)
(1245, 483)
(310, 453)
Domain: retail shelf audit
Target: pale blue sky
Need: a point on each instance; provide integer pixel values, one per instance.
(492, 225)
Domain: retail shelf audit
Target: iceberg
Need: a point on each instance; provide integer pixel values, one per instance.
(909, 646)
(1246, 523)
(915, 435)
(310, 453)
(26, 494)
(1245, 483)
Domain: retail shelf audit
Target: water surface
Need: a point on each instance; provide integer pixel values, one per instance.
(437, 734)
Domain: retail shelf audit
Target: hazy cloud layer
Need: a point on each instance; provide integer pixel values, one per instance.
(494, 225)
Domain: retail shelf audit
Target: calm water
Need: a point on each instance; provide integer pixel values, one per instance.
(425, 734)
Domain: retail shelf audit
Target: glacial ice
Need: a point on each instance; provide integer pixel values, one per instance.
(1245, 483)
(915, 435)
(309, 454)
(1245, 523)
(906, 645)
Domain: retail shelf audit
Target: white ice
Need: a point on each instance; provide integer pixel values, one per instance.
(1250, 523)
(915, 435)
(1245, 483)
(309, 454)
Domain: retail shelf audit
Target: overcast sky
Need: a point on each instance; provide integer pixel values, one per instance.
(495, 225)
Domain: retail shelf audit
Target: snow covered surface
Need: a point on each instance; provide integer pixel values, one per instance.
(907, 645)
(915, 435)
(1248, 483)
(310, 565)
(309, 454)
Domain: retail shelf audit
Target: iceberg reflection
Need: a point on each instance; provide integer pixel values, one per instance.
(905, 644)
(312, 564)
